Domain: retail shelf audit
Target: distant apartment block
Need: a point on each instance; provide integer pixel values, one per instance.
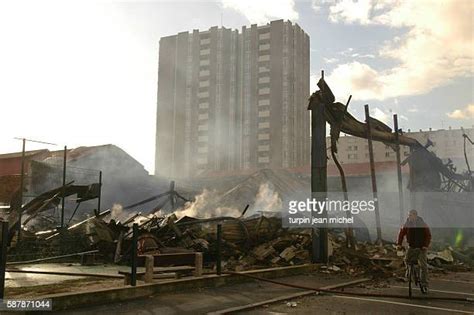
(230, 101)
(447, 144)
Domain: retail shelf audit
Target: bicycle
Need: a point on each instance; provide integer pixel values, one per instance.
(414, 273)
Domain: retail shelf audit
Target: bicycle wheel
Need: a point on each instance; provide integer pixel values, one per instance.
(410, 275)
(416, 275)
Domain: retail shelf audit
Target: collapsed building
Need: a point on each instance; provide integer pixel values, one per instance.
(182, 218)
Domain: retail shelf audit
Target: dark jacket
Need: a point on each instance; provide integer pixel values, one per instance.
(418, 233)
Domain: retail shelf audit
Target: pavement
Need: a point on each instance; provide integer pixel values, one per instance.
(211, 299)
(217, 299)
(22, 280)
(203, 301)
(450, 285)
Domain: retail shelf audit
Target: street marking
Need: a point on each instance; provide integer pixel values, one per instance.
(405, 304)
(469, 282)
(287, 297)
(432, 290)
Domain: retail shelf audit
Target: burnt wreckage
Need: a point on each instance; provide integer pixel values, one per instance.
(427, 172)
(250, 241)
(435, 187)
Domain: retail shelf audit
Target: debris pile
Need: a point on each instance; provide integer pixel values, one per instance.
(249, 241)
(380, 260)
(257, 241)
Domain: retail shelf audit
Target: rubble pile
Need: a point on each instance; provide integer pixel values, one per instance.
(257, 241)
(380, 260)
(247, 243)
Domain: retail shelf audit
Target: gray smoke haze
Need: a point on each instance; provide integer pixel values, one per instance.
(205, 206)
(267, 199)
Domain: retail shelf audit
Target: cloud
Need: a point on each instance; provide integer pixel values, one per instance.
(465, 113)
(379, 114)
(362, 56)
(351, 11)
(435, 49)
(330, 60)
(317, 4)
(263, 11)
(356, 78)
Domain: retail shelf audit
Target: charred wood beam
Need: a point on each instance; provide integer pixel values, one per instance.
(466, 138)
(351, 126)
(399, 169)
(372, 173)
(335, 131)
(245, 210)
(100, 215)
(146, 200)
(320, 100)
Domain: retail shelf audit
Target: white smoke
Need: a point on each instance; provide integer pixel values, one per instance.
(116, 211)
(205, 206)
(267, 199)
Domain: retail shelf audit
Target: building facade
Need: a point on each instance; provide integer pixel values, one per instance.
(230, 101)
(124, 179)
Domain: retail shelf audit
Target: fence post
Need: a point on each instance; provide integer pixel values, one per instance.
(100, 191)
(3, 257)
(22, 185)
(64, 186)
(133, 276)
(219, 248)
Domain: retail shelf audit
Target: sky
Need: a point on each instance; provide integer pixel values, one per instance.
(85, 72)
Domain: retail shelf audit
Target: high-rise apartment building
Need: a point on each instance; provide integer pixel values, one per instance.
(230, 101)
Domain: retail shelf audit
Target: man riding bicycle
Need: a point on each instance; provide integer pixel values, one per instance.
(418, 237)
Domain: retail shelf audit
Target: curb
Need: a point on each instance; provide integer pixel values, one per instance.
(66, 301)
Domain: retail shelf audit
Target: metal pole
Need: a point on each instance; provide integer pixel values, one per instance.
(172, 195)
(3, 257)
(22, 184)
(133, 276)
(399, 170)
(319, 176)
(100, 191)
(412, 184)
(64, 187)
(372, 173)
(218, 250)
